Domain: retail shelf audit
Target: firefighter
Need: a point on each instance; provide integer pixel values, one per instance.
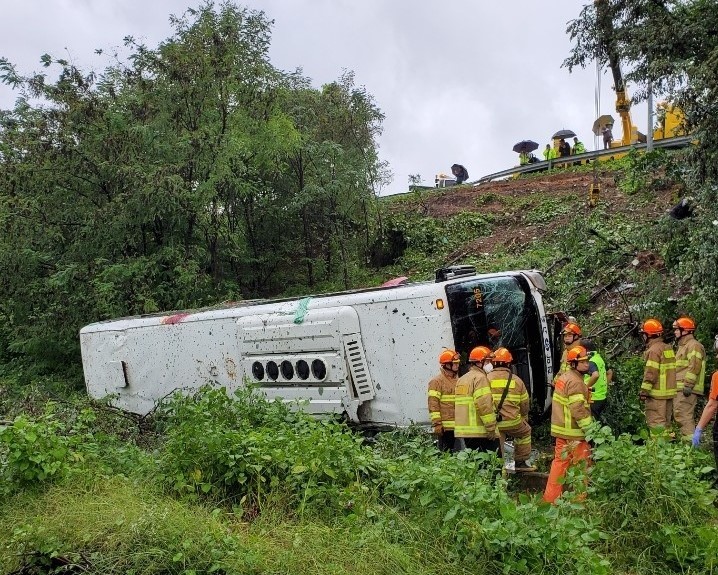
(709, 411)
(597, 379)
(511, 403)
(690, 373)
(659, 377)
(570, 417)
(475, 418)
(441, 400)
(571, 333)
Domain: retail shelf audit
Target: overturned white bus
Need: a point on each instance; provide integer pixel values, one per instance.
(366, 354)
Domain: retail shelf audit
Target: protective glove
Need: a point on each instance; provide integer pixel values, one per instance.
(687, 391)
(696, 441)
(643, 395)
(438, 429)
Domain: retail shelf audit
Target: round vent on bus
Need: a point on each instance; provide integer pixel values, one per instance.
(287, 369)
(272, 370)
(302, 370)
(258, 371)
(319, 370)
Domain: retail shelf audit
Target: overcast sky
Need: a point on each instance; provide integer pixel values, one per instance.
(459, 81)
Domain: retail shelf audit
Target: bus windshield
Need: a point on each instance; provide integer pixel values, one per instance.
(495, 312)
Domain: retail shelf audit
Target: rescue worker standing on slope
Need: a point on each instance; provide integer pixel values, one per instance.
(597, 379)
(690, 373)
(511, 402)
(474, 415)
(570, 417)
(659, 377)
(571, 335)
(441, 400)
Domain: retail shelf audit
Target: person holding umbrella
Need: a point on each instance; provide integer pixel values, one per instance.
(460, 173)
(564, 148)
(607, 137)
(523, 149)
(602, 126)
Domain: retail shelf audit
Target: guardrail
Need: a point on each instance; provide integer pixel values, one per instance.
(669, 143)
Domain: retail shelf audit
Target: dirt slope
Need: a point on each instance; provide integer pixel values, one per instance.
(533, 207)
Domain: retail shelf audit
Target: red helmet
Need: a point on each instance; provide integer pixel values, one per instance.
(577, 353)
(479, 354)
(502, 355)
(573, 328)
(652, 327)
(684, 323)
(449, 356)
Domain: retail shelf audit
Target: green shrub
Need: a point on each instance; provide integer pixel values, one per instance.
(654, 499)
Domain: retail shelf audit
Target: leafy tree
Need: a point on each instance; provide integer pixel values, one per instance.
(170, 180)
(671, 47)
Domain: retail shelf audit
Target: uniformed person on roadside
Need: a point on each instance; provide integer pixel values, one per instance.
(475, 420)
(511, 403)
(570, 418)
(690, 375)
(441, 400)
(597, 378)
(659, 377)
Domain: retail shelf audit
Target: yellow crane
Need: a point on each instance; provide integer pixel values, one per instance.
(669, 118)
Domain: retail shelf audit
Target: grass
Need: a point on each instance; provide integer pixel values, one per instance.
(122, 526)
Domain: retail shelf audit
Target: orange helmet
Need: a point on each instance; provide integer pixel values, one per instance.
(684, 323)
(448, 356)
(652, 327)
(502, 355)
(479, 353)
(577, 353)
(573, 328)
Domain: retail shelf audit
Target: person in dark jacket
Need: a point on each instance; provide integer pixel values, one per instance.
(564, 148)
(460, 173)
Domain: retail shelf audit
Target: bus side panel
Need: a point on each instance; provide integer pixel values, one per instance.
(139, 366)
(402, 340)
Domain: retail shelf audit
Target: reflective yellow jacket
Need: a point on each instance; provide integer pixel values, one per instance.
(690, 364)
(516, 404)
(474, 413)
(570, 413)
(441, 400)
(659, 376)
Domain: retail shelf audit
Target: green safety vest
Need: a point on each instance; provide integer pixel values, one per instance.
(600, 388)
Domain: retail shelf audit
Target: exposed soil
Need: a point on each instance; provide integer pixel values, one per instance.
(511, 201)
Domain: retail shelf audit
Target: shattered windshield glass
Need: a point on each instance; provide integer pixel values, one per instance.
(488, 312)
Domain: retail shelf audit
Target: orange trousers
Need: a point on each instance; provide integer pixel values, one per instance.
(566, 453)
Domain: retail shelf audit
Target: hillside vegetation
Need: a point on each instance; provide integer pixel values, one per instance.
(196, 172)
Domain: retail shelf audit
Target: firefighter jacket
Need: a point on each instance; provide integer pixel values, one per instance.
(516, 405)
(599, 390)
(475, 415)
(659, 376)
(570, 413)
(441, 400)
(690, 364)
